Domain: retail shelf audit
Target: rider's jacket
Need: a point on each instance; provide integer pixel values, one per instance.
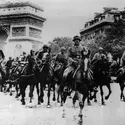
(75, 52)
(40, 55)
(99, 56)
(61, 58)
(23, 58)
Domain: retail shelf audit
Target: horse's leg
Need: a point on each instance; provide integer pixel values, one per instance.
(109, 88)
(54, 95)
(10, 89)
(58, 95)
(101, 92)
(22, 92)
(17, 92)
(75, 98)
(122, 89)
(4, 86)
(95, 98)
(48, 95)
(88, 99)
(41, 93)
(81, 104)
(31, 92)
(0, 85)
(63, 100)
(37, 89)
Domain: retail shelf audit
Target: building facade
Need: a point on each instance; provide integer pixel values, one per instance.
(96, 27)
(20, 27)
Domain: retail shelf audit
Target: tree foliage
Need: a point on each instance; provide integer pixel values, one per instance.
(112, 41)
(59, 42)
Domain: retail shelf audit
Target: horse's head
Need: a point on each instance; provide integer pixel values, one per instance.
(45, 58)
(85, 61)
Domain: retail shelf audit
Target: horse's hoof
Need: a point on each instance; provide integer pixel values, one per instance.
(42, 100)
(95, 100)
(80, 121)
(63, 115)
(103, 103)
(61, 104)
(39, 103)
(89, 103)
(23, 103)
(58, 101)
(30, 102)
(16, 96)
(10, 94)
(48, 106)
(54, 99)
(80, 115)
(124, 99)
(106, 97)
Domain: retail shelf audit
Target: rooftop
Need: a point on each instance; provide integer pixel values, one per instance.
(20, 4)
(107, 16)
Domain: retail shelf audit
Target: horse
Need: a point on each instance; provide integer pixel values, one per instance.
(2, 78)
(13, 73)
(28, 77)
(102, 77)
(46, 77)
(114, 67)
(78, 82)
(58, 73)
(121, 80)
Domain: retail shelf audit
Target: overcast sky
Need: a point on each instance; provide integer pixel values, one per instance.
(67, 17)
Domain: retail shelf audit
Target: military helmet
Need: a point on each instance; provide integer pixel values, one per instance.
(45, 46)
(62, 48)
(76, 38)
(100, 48)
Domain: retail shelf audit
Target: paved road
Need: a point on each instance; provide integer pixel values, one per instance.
(13, 113)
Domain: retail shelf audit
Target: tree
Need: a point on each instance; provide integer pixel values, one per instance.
(113, 39)
(59, 42)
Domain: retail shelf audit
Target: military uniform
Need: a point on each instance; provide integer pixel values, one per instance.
(74, 55)
(40, 54)
(61, 57)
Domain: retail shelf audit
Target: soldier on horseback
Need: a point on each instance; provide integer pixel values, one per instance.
(61, 57)
(60, 64)
(99, 56)
(45, 49)
(74, 54)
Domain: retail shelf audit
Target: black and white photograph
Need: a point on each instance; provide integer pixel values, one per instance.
(62, 62)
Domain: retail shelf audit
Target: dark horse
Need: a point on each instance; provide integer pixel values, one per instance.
(121, 80)
(77, 82)
(2, 78)
(45, 77)
(13, 73)
(58, 73)
(102, 77)
(28, 77)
